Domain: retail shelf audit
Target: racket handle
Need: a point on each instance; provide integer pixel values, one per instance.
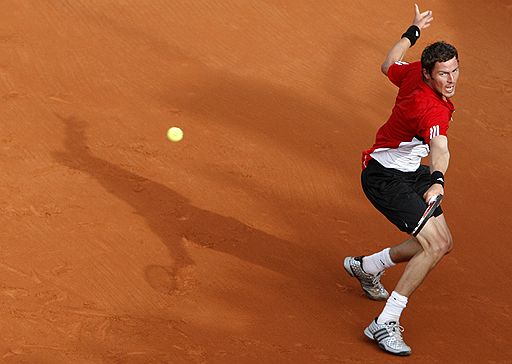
(433, 199)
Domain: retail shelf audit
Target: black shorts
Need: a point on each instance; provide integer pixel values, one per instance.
(397, 195)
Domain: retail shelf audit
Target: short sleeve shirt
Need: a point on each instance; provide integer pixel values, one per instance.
(419, 115)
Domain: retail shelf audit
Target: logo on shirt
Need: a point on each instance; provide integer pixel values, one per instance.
(434, 131)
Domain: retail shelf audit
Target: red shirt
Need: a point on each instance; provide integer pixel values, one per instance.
(419, 115)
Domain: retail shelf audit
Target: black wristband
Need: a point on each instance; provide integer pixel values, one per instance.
(437, 177)
(412, 33)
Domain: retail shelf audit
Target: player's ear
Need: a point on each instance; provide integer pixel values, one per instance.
(426, 75)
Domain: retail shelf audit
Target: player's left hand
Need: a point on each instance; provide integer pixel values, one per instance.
(422, 20)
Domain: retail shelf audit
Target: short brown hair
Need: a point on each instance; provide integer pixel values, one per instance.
(437, 52)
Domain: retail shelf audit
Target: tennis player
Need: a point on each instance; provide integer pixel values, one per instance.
(396, 183)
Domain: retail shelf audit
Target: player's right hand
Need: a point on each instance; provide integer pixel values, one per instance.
(434, 190)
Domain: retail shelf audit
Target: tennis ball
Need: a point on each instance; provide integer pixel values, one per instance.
(174, 134)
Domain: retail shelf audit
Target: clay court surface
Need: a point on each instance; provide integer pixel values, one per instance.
(118, 246)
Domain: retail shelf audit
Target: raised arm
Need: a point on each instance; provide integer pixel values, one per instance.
(397, 52)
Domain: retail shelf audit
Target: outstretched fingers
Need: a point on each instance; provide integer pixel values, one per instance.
(422, 20)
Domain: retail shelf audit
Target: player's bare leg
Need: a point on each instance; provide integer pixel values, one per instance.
(404, 251)
(426, 249)
(436, 240)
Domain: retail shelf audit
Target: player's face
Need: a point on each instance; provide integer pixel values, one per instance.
(444, 76)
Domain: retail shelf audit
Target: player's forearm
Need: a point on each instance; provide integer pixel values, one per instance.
(395, 54)
(439, 154)
(439, 161)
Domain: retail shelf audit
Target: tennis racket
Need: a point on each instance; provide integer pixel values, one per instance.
(433, 204)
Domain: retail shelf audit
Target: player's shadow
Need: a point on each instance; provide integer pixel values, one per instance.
(176, 221)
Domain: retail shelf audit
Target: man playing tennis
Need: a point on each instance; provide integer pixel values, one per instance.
(396, 183)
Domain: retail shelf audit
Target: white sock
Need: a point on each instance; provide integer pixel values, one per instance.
(377, 262)
(393, 309)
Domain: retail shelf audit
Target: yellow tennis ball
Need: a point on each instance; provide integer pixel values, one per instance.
(174, 134)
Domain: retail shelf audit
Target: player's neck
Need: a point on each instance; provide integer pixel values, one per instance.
(429, 84)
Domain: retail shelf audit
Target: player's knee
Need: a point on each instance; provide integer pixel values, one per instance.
(437, 245)
(442, 246)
